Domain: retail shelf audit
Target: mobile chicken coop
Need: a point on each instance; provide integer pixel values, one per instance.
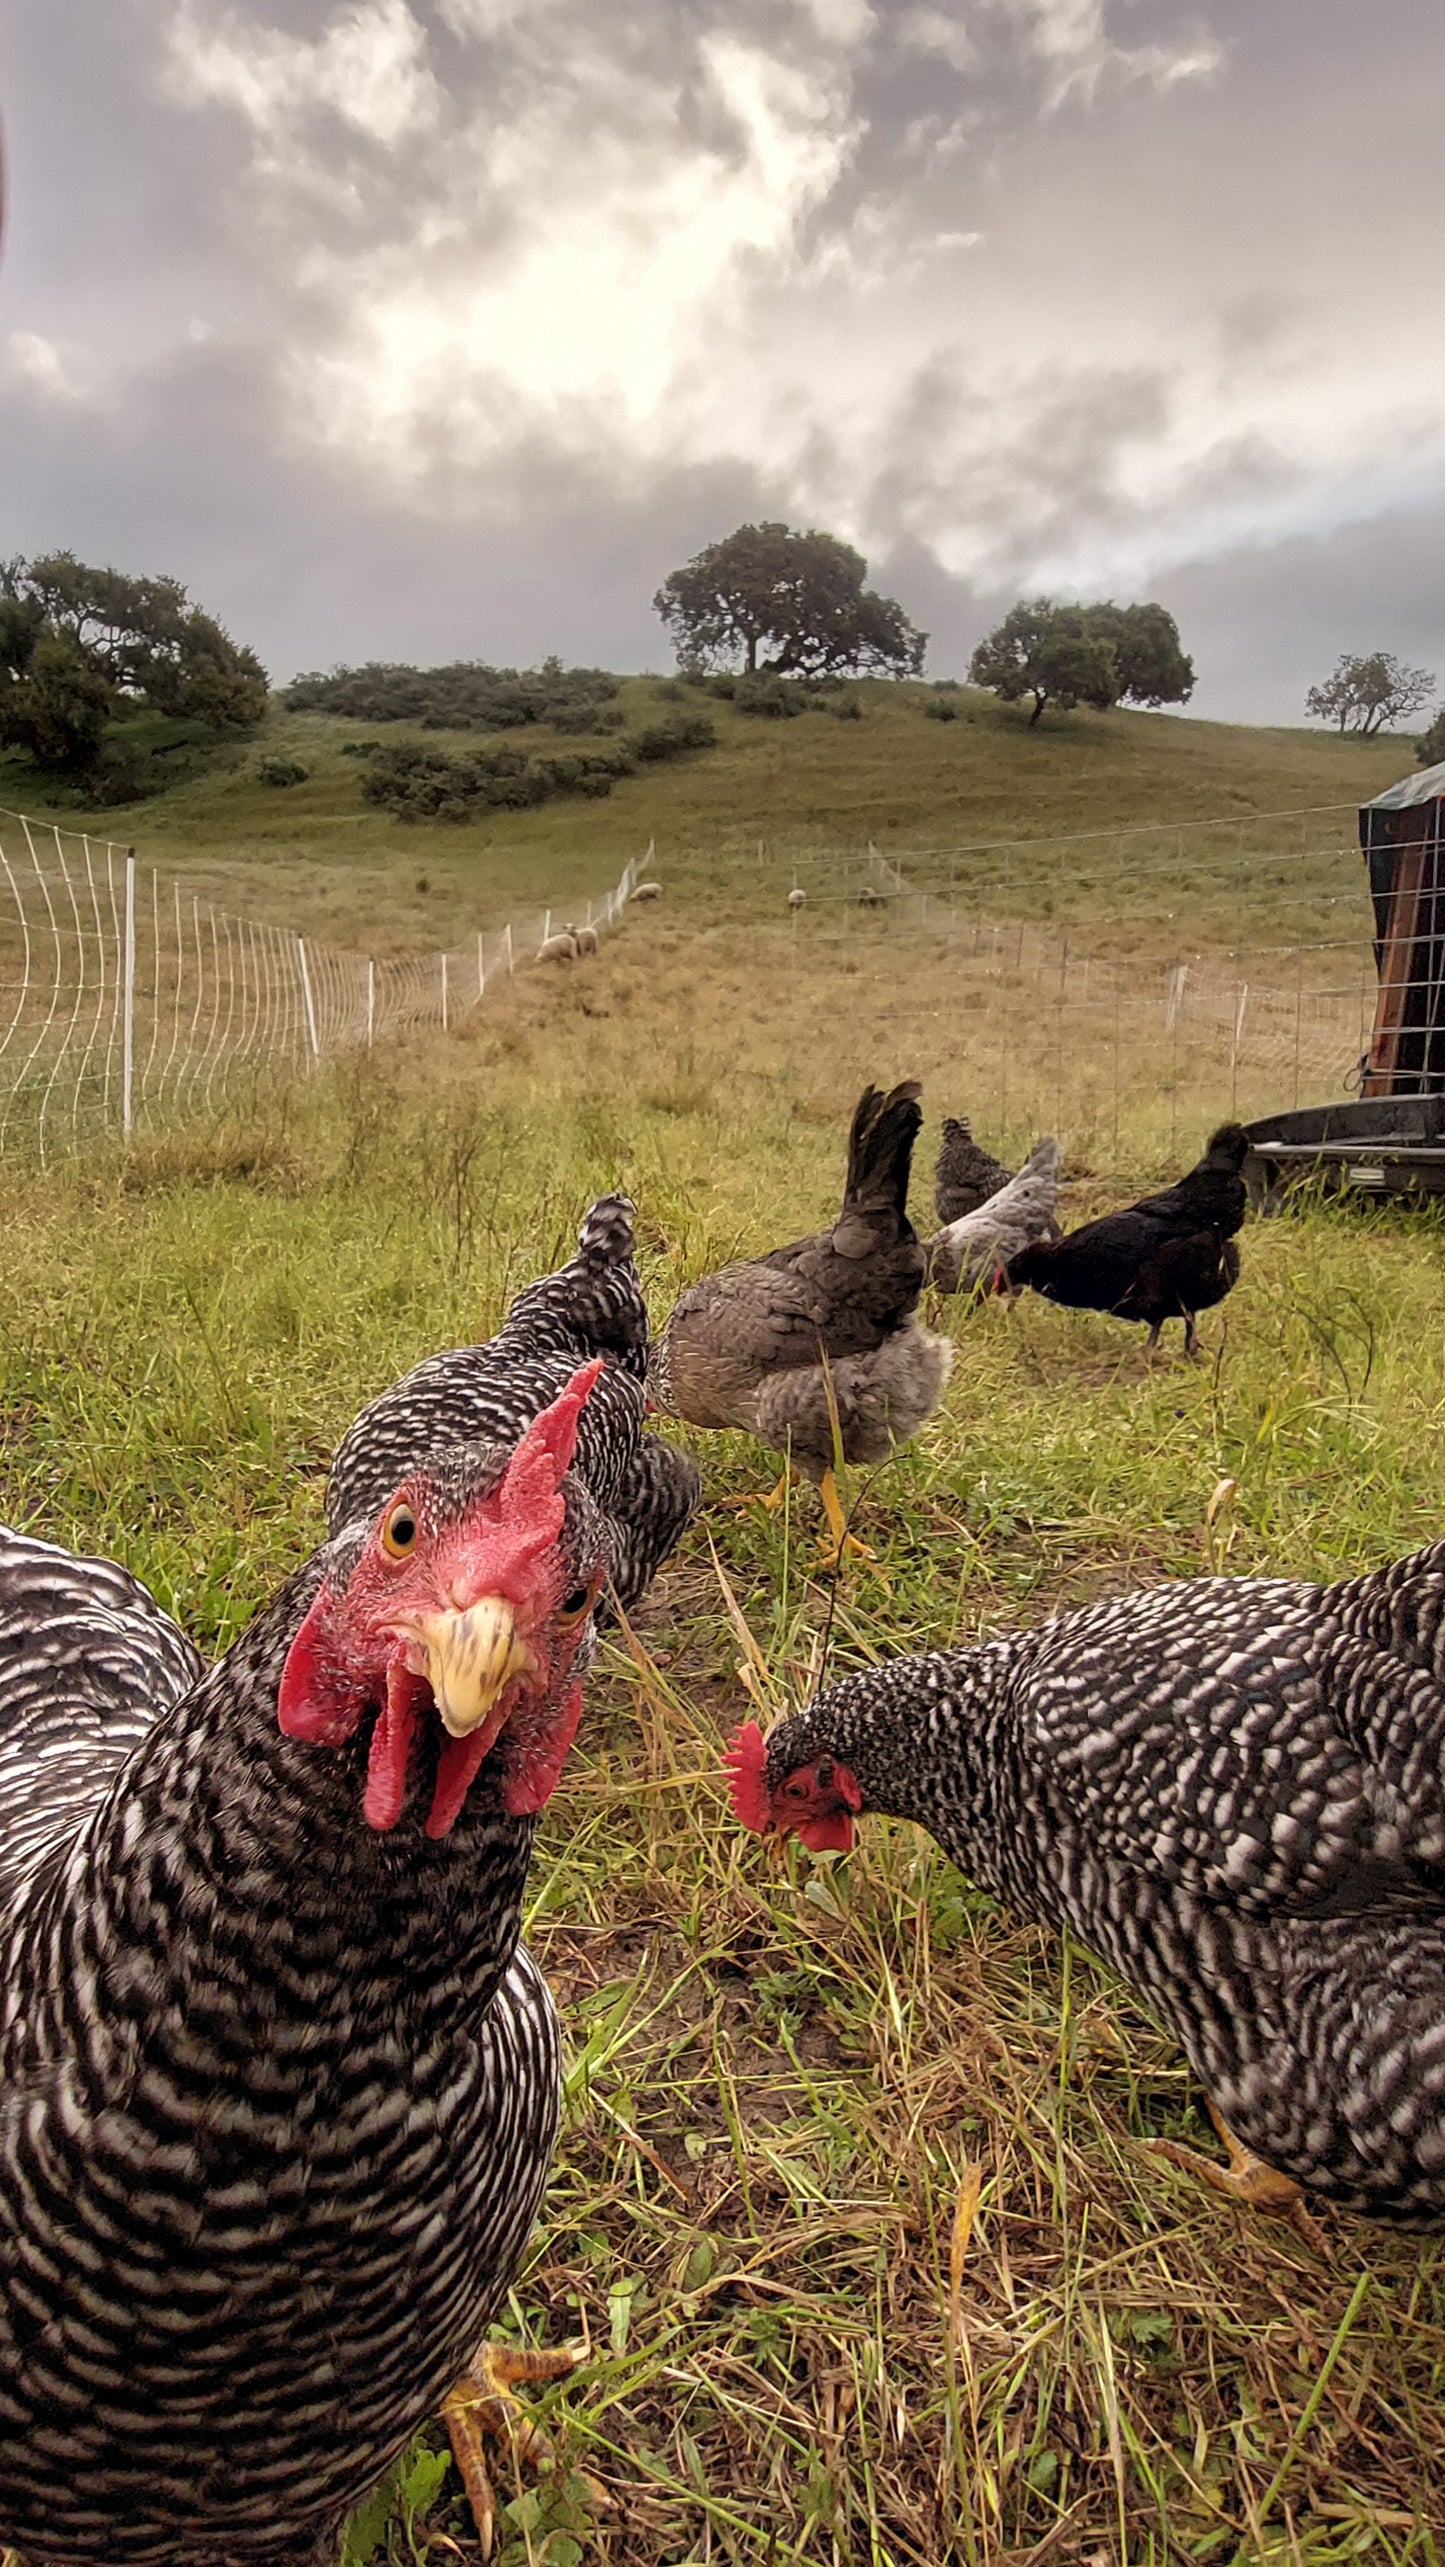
(1392, 1139)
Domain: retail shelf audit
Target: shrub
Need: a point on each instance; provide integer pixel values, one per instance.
(465, 695)
(417, 782)
(847, 709)
(358, 748)
(670, 739)
(774, 698)
(1430, 747)
(938, 709)
(282, 771)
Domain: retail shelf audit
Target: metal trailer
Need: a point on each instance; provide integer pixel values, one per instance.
(1392, 1140)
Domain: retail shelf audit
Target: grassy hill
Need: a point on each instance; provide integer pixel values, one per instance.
(814, 2055)
(315, 857)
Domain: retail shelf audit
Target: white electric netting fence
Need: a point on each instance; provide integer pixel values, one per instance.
(126, 999)
(1167, 973)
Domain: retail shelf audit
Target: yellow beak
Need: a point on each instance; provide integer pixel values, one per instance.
(469, 1659)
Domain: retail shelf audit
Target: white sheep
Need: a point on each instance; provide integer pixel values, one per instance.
(797, 899)
(558, 949)
(646, 891)
(585, 939)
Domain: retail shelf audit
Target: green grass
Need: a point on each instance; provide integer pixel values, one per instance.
(782, 2071)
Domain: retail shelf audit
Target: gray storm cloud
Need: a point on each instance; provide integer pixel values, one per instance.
(434, 325)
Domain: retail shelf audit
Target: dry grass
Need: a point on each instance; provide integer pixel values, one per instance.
(319, 860)
(852, 2203)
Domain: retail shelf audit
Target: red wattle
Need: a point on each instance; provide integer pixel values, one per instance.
(832, 1834)
(745, 1764)
(456, 1766)
(391, 1742)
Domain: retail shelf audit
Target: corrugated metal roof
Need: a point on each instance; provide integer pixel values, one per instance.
(1427, 786)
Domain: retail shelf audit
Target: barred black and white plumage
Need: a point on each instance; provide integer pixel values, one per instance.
(1233, 1790)
(87, 1659)
(645, 1487)
(278, 2089)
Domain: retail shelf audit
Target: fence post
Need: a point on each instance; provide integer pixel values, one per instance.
(511, 961)
(127, 1039)
(546, 925)
(306, 992)
(481, 970)
(370, 1002)
(441, 958)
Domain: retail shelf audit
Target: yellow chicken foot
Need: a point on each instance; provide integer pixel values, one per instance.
(1246, 2178)
(771, 1498)
(481, 2408)
(844, 1544)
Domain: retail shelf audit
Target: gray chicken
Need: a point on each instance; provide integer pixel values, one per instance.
(827, 1327)
(975, 1246)
(965, 1173)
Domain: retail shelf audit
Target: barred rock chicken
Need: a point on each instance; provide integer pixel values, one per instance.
(278, 2080)
(647, 1489)
(965, 1174)
(1233, 1791)
(782, 1343)
(1167, 1257)
(974, 1248)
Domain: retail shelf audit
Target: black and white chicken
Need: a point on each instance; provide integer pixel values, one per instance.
(279, 2082)
(646, 1488)
(1233, 1791)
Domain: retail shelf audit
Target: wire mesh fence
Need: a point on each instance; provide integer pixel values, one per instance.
(128, 1000)
(1152, 977)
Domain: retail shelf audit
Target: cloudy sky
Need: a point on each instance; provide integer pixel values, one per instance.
(422, 328)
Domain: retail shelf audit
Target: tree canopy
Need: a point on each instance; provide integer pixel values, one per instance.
(1069, 655)
(80, 647)
(767, 598)
(1370, 691)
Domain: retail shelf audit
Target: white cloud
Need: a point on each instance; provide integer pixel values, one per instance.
(41, 364)
(662, 240)
(1071, 39)
(368, 68)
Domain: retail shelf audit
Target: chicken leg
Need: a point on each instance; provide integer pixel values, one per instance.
(844, 1544)
(1245, 2178)
(772, 1499)
(482, 2408)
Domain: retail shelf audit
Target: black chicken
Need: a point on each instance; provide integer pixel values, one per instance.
(647, 1489)
(1167, 1257)
(965, 1174)
(1233, 1790)
(823, 1333)
(278, 2081)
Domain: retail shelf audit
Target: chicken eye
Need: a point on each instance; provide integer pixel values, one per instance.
(574, 1606)
(398, 1533)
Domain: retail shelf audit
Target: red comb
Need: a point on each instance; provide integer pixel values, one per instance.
(745, 1765)
(536, 1469)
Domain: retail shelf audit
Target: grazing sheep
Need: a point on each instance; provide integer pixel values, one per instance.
(558, 949)
(797, 899)
(646, 891)
(585, 939)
